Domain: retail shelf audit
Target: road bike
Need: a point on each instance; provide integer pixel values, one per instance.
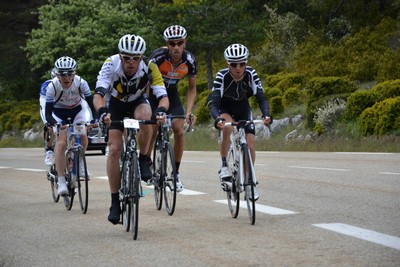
(131, 189)
(164, 168)
(241, 167)
(76, 174)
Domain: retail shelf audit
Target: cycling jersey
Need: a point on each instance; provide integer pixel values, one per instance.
(172, 75)
(59, 100)
(67, 98)
(112, 80)
(230, 96)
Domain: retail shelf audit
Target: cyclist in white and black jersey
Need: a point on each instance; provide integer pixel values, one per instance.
(64, 95)
(123, 82)
(49, 149)
(231, 89)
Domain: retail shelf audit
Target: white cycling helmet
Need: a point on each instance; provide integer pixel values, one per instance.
(132, 44)
(236, 53)
(53, 73)
(175, 32)
(65, 64)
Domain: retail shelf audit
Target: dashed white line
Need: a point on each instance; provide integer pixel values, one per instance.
(262, 208)
(30, 170)
(364, 234)
(390, 173)
(319, 168)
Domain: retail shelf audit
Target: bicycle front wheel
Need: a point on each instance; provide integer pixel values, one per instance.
(82, 179)
(52, 177)
(249, 185)
(135, 196)
(69, 199)
(126, 192)
(157, 169)
(169, 178)
(233, 192)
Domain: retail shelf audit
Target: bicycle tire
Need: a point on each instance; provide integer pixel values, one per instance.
(233, 193)
(52, 177)
(125, 192)
(169, 178)
(157, 170)
(135, 196)
(249, 185)
(69, 199)
(82, 181)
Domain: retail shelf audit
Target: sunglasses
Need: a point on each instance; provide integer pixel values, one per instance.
(133, 58)
(235, 65)
(173, 44)
(66, 73)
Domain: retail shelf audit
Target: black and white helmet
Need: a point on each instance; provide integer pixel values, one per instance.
(65, 64)
(236, 53)
(132, 44)
(175, 32)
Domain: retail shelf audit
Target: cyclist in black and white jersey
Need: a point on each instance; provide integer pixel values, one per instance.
(64, 98)
(231, 89)
(123, 81)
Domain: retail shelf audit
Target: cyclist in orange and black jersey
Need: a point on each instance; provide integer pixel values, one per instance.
(175, 63)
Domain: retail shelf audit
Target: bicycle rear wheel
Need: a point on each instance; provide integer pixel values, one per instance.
(69, 199)
(169, 178)
(233, 192)
(82, 179)
(135, 196)
(125, 192)
(249, 185)
(157, 168)
(52, 177)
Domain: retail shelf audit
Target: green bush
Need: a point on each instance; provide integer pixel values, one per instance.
(272, 92)
(319, 88)
(387, 89)
(276, 106)
(292, 96)
(18, 115)
(358, 101)
(202, 112)
(380, 119)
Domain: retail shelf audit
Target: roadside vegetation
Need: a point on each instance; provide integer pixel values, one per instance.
(335, 63)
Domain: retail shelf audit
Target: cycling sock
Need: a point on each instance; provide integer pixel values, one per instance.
(177, 165)
(114, 197)
(224, 164)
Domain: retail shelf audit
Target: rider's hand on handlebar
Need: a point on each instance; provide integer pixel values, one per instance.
(219, 123)
(267, 120)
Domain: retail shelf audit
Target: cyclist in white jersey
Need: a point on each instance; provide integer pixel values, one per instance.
(49, 147)
(64, 96)
(231, 90)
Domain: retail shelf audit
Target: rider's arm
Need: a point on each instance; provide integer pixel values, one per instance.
(191, 94)
(88, 96)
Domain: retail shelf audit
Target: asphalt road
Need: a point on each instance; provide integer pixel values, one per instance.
(315, 209)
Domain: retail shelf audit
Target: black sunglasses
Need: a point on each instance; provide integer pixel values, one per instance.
(173, 44)
(66, 73)
(133, 58)
(235, 65)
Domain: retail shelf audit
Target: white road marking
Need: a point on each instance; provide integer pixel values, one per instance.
(188, 192)
(363, 153)
(30, 170)
(390, 173)
(3, 167)
(318, 168)
(261, 208)
(102, 177)
(193, 161)
(364, 234)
